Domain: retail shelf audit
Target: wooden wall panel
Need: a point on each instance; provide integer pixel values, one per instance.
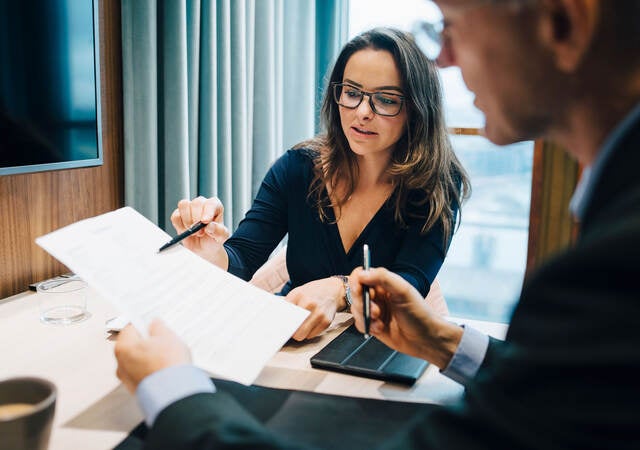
(34, 204)
(551, 225)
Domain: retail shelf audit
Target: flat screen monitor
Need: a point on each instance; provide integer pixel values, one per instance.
(49, 85)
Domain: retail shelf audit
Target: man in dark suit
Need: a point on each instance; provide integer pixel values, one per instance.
(568, 373)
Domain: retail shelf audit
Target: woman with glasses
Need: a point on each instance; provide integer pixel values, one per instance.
(383, 173)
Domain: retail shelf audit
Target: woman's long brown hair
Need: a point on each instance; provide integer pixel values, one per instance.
(424, 170)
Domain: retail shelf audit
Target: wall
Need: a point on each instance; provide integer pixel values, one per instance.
(34, 204)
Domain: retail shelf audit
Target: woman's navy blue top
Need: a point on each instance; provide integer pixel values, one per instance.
(314, 249)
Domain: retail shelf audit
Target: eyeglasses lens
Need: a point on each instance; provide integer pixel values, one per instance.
(428, 32)
(384, 104)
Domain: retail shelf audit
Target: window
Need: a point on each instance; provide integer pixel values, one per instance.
(483, 272)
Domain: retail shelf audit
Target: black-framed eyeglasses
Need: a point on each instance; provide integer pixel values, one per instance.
(382, 103)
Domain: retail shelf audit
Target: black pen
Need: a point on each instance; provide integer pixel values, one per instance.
(185, 234)
(366, 300)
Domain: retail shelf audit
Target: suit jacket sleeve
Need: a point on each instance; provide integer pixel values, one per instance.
(567, 375)
(210, 421)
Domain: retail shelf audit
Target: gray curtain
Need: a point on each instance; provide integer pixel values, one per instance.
(214, 91)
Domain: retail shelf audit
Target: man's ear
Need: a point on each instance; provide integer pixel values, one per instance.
(569, 28)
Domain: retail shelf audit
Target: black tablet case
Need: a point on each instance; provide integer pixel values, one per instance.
(352, 354)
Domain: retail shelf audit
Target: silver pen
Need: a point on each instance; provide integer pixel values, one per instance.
(366, 299)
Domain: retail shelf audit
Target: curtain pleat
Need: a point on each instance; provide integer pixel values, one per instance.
(264, 102)
(298, 76)
(140, 106)
(174, 92)
(332, 28)
(215, 91)
(207, 174)
(224, 89)
(194, 39)
(239, 161)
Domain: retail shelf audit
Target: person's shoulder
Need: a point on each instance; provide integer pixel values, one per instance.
(311, 149)
(304, 154)
(301, 155)
(294, 169)
(295, 160)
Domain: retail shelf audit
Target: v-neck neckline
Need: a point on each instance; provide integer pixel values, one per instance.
(358, 242)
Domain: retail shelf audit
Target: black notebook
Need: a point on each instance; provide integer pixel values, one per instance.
(351, 353)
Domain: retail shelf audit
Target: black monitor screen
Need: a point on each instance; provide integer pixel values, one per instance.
(49, 110)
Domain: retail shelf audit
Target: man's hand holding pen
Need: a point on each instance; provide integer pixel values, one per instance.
(401, 318)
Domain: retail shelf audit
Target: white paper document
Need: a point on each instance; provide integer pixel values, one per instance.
(232, 327)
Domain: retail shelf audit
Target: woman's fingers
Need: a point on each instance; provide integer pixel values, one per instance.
(197, 207)
(303, 331)
(184, 208)
(212, 210)
(320, 313)
(200, 209)
(313, 325)
(176, 218)
(217, 231)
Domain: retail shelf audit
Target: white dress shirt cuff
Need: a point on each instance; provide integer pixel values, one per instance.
(468, 357)
(166, 386)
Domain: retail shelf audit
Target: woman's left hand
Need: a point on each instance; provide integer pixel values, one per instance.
(322, 298)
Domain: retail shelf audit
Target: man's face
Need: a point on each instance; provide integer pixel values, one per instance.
(495, 45)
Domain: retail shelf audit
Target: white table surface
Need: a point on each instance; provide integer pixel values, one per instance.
(93, 409)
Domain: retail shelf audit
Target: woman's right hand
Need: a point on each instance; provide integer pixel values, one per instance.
(207, 243)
